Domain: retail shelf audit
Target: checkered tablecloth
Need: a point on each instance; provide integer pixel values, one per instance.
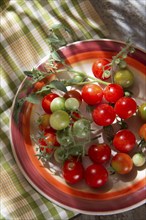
(24, 30)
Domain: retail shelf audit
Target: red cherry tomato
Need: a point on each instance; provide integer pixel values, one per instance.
(92, 94)
(46, 101)
(73, 94)
(113, 92)
(103, 115)
(75, 116)
(125, 107)
(124, 140)
(96, 175)
(142, 132)
(122, 163)
(99, 153)
(98, 68)
(38, 85)
(73, 171)
(49, 140)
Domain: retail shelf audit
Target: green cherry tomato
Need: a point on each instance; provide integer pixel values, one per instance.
(72, 104)
(142, 111)
(59, 120)
(81, 128)
(138, 159)
(124, 77)
(57, 104)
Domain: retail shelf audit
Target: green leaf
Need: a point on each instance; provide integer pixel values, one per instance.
(55, 84)
(33, 98)
(28, 73)
(45, 89)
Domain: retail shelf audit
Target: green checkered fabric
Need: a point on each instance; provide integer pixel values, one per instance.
(24, 29)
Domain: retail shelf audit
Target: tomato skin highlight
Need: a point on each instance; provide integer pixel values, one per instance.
(96, 175)
(46, 102)
(122, 163)
(73, 171)
(92, 94)
(97, 68)
(113, 92)
(124, 141)
(99, 153)
(103, 115)
(125, 107)
(142, 132)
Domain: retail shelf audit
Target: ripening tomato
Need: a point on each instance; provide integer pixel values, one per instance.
(96, 175)
(113, 92)
(142, 132)
(98, 68)
(73, 171)
(92, 94)
(103, 115)
(99, 153)
(125, 107)
(44, 121)
(124, 140)
(46, 102)
(73, 94)
(49, 138)
(124, 77)
(122, 163)
(142, 111)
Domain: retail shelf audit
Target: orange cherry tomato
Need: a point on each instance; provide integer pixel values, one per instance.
(142, 131)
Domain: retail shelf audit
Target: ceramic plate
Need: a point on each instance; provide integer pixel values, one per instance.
(121, 193)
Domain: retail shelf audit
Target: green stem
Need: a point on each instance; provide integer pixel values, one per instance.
(86, 82)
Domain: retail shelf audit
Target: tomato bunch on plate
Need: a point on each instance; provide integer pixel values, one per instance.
(67, 133)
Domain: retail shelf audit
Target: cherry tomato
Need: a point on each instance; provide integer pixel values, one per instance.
(96, 175)
(113, 92)
(98, 68)
(124, 140)
(73, 171)
(124, 77)
(99, 153)
(73, 94)
(38, 85)
(92, 94)
(44, 121)
(125, 107)
(122, 163)
(49, 141)
(72, 104)
(142, 111)
(139, 159)
(103, 115)
(59, 120)
(142, 132)
(81, 128)
(46, 102)
(75, 116)
(57, 104)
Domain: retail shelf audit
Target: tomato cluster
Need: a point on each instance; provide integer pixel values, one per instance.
(62, 124)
